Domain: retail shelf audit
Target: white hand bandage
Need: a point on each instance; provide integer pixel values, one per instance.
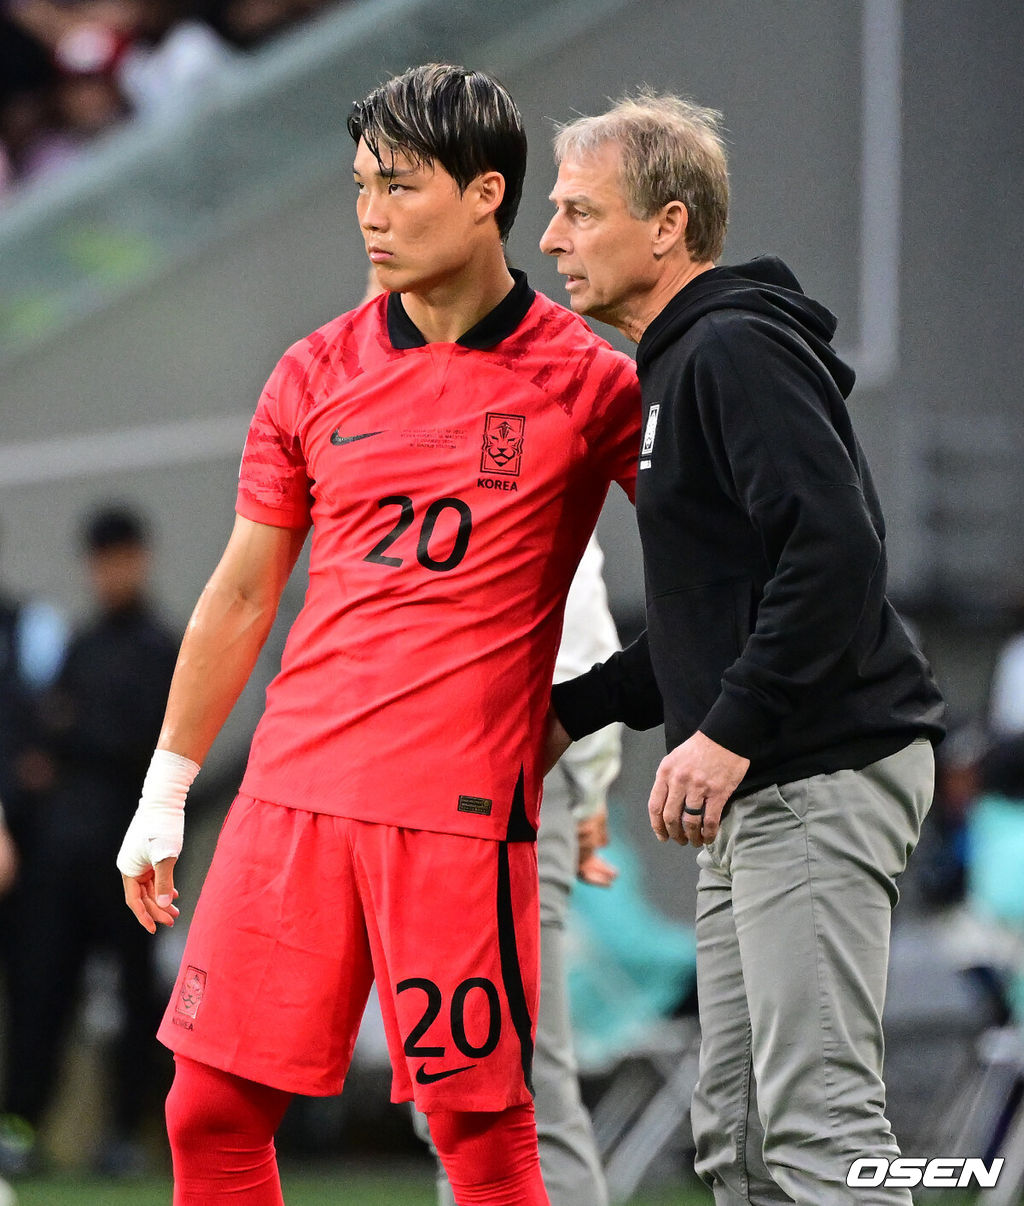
(158, 827)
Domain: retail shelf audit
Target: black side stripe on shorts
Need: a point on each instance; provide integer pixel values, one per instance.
(511, 974)
(519, 828)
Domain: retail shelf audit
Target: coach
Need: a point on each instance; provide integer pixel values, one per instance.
(799, 714)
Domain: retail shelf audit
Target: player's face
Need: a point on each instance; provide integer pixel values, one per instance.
(118, 575)
(603, 251)
(418, 228)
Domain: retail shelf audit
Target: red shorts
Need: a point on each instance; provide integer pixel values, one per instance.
(302, 911)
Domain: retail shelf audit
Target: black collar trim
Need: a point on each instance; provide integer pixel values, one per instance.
(499, 324)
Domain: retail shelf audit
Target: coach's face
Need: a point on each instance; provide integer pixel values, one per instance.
(419, 229)
(606, 254)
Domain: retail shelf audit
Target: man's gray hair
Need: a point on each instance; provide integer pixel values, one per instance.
(671, 151)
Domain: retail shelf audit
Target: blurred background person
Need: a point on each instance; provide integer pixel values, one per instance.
(573, 829)
(940, 868)
(995, 867)
(983, 933)
(100, 722)
(247, 24)
(26, 72)
(33, 638)
(73, 94)
(1006, 694)
(70, 71)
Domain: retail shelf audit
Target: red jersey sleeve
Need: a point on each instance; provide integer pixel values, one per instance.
(612, 431)
(273, 482)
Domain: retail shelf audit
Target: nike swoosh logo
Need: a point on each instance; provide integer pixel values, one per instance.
(340, 439)
(423, 1077)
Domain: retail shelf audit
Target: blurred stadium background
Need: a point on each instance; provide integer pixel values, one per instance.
(149, 285)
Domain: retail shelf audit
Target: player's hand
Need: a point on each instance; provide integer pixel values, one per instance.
(693, 784)
(556, 740)
(151, 895)
(154, 839)
(592, 835)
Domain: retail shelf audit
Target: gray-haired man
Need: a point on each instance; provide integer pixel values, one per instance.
(798, 712)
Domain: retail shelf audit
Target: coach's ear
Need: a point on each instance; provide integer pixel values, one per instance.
(488, 191)
(668, 228)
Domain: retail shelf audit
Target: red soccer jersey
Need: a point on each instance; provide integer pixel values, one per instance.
(451, 489)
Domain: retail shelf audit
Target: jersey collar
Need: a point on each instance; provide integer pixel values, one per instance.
(499, 324)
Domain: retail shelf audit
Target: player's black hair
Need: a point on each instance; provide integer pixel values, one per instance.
(114, 527)
(439, 113)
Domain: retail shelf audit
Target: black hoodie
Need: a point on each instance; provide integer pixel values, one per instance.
(764, 546)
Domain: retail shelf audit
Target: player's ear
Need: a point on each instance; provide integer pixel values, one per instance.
(489, 192)
(668, 227)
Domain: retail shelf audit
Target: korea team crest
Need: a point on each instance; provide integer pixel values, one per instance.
(193, 985)
(503, 444)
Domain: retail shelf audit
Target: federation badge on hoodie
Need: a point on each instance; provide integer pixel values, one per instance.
(649, 433)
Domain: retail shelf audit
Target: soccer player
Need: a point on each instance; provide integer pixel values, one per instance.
(798, 712)
(450, 443)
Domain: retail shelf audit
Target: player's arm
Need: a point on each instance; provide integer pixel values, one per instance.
(227, 630)
(224, 637)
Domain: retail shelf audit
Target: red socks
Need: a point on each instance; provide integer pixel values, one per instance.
(221, 1130)
(491, 1158)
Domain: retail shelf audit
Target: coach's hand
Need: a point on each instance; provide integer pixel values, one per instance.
(694, 782)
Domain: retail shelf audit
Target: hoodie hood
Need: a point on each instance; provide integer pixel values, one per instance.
(765, 286)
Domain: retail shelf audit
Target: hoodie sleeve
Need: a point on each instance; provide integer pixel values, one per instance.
(621, 688)
(778, 432)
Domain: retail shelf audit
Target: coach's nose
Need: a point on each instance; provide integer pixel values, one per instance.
(554, 240)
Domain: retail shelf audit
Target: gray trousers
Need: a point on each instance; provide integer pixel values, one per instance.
(569, 1160)
(794, 903)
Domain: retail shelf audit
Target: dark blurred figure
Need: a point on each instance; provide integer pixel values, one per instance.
(64, 90)
(249, 23)
(101, 720)
(1002, 769)
(32, 644)
(33, 639)
(26, 74)
(72, 69)
(174, 61)
(995, 868)
(941, 859)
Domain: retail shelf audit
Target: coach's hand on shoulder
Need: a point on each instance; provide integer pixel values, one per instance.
(556, 740)
(693, 784)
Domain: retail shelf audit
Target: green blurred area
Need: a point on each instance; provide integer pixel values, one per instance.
(327, 1186)
(323, 1187)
